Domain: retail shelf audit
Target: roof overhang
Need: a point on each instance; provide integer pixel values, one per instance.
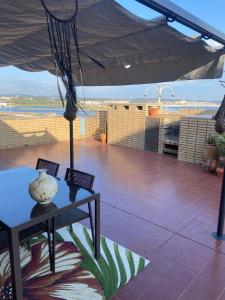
(116, 38)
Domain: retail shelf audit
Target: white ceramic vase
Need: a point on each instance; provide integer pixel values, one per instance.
(43, 188)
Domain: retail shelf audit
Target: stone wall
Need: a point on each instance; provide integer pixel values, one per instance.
(126, 125)
(194, 132)
(43, 130)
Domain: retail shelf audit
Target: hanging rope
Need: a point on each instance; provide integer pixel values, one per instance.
(60, 33)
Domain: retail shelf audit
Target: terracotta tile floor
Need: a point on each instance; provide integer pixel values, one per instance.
(156, 206)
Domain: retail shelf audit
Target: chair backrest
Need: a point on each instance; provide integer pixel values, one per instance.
(51, 166)
(85, 180)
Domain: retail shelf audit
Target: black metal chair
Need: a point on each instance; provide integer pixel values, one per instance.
(86, 181)
(51, 166)
(25, 236)
(75, 180)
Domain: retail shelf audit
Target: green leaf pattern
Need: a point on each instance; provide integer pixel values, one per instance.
(116, 265)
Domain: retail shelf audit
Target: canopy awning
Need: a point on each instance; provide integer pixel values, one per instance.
(132, 50)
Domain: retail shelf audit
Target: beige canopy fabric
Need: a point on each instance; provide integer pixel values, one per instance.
(132, 50)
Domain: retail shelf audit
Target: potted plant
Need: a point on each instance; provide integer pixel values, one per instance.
(103, 135)
(220, 168)
(210, 148)
(220, 141)
(210, 165)
(221, 156)
(153, 111)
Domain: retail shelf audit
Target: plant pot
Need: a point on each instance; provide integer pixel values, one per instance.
(210, 165)
(153, 111)
(219, 171)
(103, 138)
(210, 152)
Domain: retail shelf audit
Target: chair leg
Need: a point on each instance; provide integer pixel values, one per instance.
(53, 245)
(49, 244)
(91, 223)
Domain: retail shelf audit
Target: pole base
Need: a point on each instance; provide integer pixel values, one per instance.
(217, 237)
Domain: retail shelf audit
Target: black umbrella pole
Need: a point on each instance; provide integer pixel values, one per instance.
(220, 224)
(71, 146)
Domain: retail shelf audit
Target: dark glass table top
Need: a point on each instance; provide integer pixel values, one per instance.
(16, 205)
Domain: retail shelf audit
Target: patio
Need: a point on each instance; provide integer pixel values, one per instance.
(159, 207)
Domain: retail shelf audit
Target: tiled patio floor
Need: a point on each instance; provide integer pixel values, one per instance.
(156, 206)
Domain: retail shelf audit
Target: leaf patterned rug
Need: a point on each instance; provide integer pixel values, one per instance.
(78, 275)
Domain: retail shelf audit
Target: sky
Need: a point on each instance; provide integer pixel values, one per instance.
(15, 81)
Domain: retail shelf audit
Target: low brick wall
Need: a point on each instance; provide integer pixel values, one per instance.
(44, 130)
(126, 125)
(127, 128)
(194, 132)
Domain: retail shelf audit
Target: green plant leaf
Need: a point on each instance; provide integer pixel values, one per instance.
(89, 263)
(42, 238)
(112, 267)
(99, 269)
(123, 275)
(211, 139)
(58, 237)
(104, 267)
(131, 262)
(38, 239)
(141, 264)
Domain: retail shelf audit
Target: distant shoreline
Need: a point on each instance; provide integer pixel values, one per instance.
(36, 109)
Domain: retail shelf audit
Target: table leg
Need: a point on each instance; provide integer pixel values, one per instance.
(97, 227)
(16, 275)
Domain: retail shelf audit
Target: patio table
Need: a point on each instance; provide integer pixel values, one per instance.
(19, 212)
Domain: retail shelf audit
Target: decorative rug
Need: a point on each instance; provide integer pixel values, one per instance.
(78, 275)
